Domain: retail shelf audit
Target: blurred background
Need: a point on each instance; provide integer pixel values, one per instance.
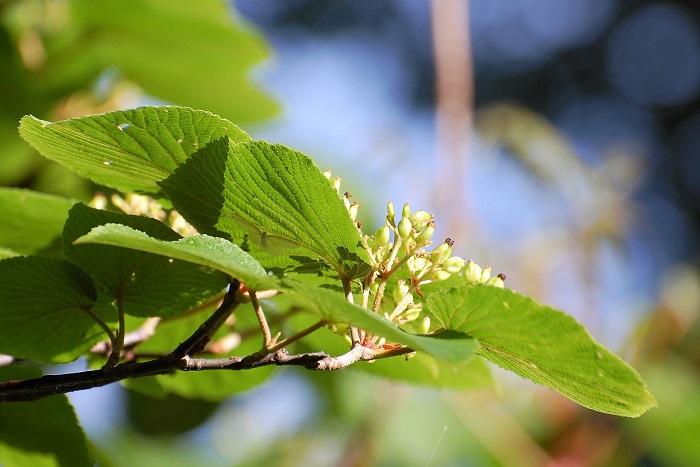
(558, 142)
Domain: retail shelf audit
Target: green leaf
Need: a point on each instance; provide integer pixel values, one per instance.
(208, 67)
(44, 432)
(213, 252)
(148, 284)
(425, 370)
(420, 369)
(452, 347)
(129, 150)
(277, 195)
(544, 345)
(32, 222)
(45, 307)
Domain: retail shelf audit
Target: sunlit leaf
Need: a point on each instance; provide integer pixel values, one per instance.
(148, 284)
(213, 252)
(544, 345)
(452, 347)
(277, 195)
(129, 150)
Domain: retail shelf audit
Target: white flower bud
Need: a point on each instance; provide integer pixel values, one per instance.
(390, 213)
(440, 275)
(497, 281)
(472, 272)
(485, 275)
(453, 264)
(400, 290)
(335, 183)
(382, 236)
(420, 219)
(424, 325)
(352, 210)
(426, 235)
(405, 228)
(412, 313)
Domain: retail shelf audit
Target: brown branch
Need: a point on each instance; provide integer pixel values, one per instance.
(181, 359)
(201, 337)
(49, 385)
(359, 353)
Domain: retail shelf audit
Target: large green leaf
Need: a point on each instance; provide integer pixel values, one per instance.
(129, 150)
(44, 306)
(452, 347)
(32, 222)
(214, 252)
(544, 345)
(197, 54)
(42, 433)
(278, 195)
(148, 284)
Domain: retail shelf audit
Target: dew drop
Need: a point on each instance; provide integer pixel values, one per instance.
(107, 162)
(506, 305)
(269, 273)
(123, 126)
(179, 141)
(170, 260)
(533, 365)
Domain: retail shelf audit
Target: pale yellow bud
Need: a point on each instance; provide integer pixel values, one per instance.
(472, 272)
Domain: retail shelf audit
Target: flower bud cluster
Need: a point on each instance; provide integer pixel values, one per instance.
(474, 274)
(406, 239)
(139, 205)
(414, 232)
(353, 207)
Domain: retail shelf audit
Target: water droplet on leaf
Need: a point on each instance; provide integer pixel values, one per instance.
(123, 126)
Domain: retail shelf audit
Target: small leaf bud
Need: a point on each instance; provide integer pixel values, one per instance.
(420, 219)
(453, 264)
(497, 281)
(406, 211)
(405, 228)
(472, 272)
(327, 174)
(382, 235)
(424, 325)
(485, 274)
(426, 235)
(400, 291)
